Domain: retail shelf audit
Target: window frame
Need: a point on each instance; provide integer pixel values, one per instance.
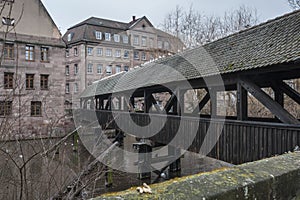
(118, 53)
(136, 40)
(98, 35)
(36, 109)
(76, 69)
(89, 69)
(99, 51)
(67, 89)
(29, 82)
(90, 51)
(44, 81)
(44, 53)
(8, 80)
(118, 68)
(116, 37)
(108, 52)
(99, 68)
(125, 39)
(107, 36)
(108, 70)
(9, 51)
(5, 108)
(29, 53)
(136, 55)
(144, 41)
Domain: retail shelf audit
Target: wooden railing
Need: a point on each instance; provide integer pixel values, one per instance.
(238, 141)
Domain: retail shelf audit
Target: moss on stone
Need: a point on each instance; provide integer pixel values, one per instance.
(276, 177)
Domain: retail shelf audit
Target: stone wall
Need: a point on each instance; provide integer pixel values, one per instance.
(272, 178)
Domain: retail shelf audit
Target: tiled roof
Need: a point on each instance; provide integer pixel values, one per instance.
(274, 42)
(104, 23)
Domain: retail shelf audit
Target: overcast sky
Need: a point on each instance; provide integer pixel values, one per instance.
(67, 13)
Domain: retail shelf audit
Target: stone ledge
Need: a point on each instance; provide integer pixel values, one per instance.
(272, 178)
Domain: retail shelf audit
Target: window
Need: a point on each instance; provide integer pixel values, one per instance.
(75, 51)
(107, 36)
(151, 42)
(44, 54)
(136, 40)
(99, 69)
(108, 52)
(159, 44)
(126, 54)
(67, 70)
(5, 108)
(67, 52)
(90, 51)
(8, 80)
(126, 68)
(70, 35)
(67, 88)
(99, 51)
(118, 53)
(136, 55)
(118, 68)
(75, 87)
(8, 51)
(29, 53)
(143, 56)
(144, 41)
(90, 68)
(125, 39)
(109, 69)
(44, 82)
(36, 108)
(166, 45)
(75, 69)
(98, 35)
(117, 38)
(29, 81)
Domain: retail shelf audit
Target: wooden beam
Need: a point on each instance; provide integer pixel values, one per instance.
(241, 102)
(293, 94)
(170, 103)
(202, 103)
(268, 102)
(213, 102)
(108, 103)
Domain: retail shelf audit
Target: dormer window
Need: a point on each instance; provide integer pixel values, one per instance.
(98, 35)
(70, 36)
(107, 36)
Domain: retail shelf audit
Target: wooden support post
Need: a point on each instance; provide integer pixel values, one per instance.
(268, 102)
(147, 101)
(144, 160)
(213, 102)
(176, 165)
(108, 103)
(242, 102)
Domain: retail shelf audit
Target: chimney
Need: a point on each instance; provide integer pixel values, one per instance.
(133, 18)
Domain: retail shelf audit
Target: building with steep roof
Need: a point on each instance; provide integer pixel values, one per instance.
(31, 70)
(98, 47)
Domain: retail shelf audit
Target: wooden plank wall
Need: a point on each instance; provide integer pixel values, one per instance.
(239, 141)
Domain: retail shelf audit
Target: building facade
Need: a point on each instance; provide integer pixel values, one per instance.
(97, 48)
(32, 77)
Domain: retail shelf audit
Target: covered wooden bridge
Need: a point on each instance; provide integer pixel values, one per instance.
(264, 56)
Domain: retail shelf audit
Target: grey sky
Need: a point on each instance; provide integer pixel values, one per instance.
(69, 12)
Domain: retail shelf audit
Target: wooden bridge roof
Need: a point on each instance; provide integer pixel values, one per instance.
(274, 42)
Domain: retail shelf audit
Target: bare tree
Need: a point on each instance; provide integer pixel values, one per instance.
(196, 29)
(295, 4)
